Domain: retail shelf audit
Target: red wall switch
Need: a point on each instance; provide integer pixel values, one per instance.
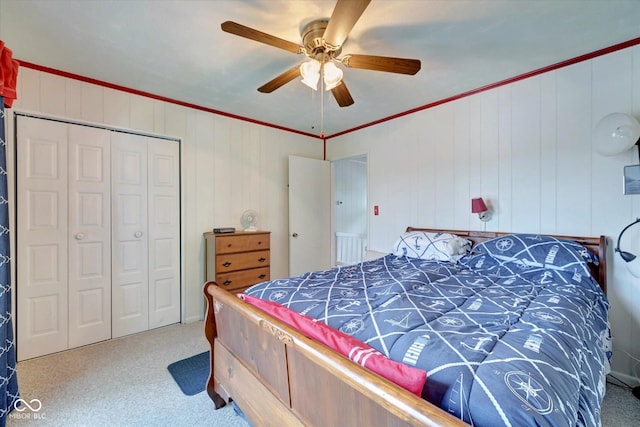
(375, 210)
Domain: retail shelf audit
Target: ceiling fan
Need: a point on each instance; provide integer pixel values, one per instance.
(322, 42)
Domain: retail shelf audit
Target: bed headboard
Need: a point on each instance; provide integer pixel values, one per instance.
(597, 246)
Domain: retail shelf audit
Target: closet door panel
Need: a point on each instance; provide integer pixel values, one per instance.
(164, 233)
(130, 252)
(41, 273)
(89, 235)
(98, 235)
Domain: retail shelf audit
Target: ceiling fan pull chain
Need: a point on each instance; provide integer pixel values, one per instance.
(322, 101)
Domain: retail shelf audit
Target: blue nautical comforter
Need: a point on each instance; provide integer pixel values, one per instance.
(502, 344)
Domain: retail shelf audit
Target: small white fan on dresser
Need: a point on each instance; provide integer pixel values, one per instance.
(249, 220)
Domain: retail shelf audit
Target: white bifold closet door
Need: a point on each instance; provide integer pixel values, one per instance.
(98, 235)
(64, 236)
(146, 239)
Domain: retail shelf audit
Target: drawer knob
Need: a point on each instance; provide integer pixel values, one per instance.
(260, 242)
(262, 259)
(227, 264)
(262, 276)
(226, 282)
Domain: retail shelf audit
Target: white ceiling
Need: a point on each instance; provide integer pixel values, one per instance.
(176, 49)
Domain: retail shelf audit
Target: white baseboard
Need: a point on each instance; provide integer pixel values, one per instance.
(192, 319)
(629, 379)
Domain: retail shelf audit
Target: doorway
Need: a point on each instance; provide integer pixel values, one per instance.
(350, 210)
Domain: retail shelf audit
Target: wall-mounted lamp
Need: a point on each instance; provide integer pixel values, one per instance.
(616, 133)
(478, 206)
(633, 262)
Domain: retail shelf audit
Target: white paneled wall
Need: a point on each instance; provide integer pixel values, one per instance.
(526, 148)
(227, 165)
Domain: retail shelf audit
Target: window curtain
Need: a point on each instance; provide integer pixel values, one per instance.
(8, 375)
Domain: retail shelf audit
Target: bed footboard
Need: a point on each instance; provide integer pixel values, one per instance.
(278, 376)
(210, 331)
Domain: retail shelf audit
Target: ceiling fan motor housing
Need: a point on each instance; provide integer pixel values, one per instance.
(312, 39)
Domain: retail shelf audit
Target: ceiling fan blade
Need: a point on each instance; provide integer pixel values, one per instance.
(343, 18)
(259, 36)
(280, 80)
(342, 95)
(382, 63)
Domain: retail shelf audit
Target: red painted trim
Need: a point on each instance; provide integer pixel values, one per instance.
(324, 143)
(542, 70)
(157, 97)
(324, 138)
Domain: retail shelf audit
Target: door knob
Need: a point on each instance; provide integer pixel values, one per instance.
(138, 234)
(80, 236)
(294, 235)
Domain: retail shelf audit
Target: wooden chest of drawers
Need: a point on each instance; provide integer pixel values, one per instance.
(237, 260)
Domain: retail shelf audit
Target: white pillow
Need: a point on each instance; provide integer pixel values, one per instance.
(431, 246)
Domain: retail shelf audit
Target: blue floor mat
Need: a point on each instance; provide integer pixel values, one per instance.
(191, 374)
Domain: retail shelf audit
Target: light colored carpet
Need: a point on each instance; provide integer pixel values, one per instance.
(122, 382)
(620, 408)
(125, 382)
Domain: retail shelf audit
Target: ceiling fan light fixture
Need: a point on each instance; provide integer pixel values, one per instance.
(310, 72)
(332, 75)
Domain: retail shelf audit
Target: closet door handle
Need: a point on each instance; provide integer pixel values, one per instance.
(80, 236)
(138, 234)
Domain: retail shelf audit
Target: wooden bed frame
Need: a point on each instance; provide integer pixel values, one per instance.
(279, 377)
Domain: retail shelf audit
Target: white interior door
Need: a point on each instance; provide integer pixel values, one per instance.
(164, 232)
(130, 252)
(309, 215)
(89, 201)
(42, 234)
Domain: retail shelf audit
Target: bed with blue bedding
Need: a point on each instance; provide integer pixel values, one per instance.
(451, 328)
(512, 332)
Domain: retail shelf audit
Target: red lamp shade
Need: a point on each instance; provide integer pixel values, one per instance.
(478, 206)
